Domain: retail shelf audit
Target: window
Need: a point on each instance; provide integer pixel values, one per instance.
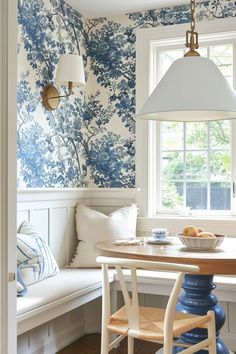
(190, 166)
(195, 166)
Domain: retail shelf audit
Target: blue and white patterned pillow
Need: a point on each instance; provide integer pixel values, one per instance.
(21, 287)
(35, 261)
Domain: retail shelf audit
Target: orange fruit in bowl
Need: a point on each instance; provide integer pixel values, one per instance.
(205, 234)
(190, 230)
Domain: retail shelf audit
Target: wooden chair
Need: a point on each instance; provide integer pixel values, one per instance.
(146, 323)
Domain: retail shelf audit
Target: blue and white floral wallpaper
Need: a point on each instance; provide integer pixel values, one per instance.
(90, 139)
(49, 143)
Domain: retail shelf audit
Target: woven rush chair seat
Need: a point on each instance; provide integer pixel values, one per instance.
(152, 323)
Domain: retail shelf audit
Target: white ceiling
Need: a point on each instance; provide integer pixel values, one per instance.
(100, 8)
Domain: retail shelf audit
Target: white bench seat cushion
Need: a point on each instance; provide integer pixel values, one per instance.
(68, 284)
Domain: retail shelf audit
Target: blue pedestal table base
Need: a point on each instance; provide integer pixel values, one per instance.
(198, 299)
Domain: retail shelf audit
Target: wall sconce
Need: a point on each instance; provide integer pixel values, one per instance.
(70, 72)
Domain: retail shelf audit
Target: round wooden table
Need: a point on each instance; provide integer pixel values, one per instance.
(197, 297)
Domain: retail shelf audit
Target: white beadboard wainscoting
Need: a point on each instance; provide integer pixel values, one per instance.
(52, 212)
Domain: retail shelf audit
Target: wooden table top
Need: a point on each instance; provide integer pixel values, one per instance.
(221, 260)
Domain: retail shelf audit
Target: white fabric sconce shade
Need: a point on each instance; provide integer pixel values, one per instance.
(193, 89)
(70, 69)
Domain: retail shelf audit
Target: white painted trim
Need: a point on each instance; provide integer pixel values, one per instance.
(141, 163)
(162, 33)
(3, 263)
(54, 194)
(12, 170)
(8, 79)
(161, 36)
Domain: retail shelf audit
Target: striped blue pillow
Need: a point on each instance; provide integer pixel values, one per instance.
(21, 287)
(35, 261)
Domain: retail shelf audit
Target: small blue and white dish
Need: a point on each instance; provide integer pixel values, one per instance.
(154, 241)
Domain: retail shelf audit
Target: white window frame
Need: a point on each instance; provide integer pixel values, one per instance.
(149, 43)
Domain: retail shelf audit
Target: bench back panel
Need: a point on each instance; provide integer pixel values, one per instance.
(53, 213)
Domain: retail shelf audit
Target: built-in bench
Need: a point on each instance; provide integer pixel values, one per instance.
(57, 295)
(60, 309)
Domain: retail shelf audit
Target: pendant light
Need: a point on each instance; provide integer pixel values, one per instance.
(193, 89)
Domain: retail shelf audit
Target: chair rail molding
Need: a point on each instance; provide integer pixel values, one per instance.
(50, 194)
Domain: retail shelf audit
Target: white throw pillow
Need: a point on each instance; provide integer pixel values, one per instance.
(93, 226)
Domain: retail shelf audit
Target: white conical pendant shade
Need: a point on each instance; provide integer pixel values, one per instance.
(193, 89)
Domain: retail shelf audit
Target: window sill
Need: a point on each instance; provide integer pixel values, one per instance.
(212, 217)
(175, 223)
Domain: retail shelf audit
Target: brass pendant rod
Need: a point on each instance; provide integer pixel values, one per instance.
(192, 9)
(192, 35)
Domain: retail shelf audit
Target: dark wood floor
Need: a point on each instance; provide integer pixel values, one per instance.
(90, 344)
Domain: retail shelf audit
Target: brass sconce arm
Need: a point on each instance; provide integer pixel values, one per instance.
(51, 97)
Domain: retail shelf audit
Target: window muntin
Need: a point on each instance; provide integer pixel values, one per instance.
(195, 158)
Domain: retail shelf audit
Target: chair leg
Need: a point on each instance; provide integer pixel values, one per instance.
(212, 333)
(168, 349)
(104, 341)
(130, 345)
